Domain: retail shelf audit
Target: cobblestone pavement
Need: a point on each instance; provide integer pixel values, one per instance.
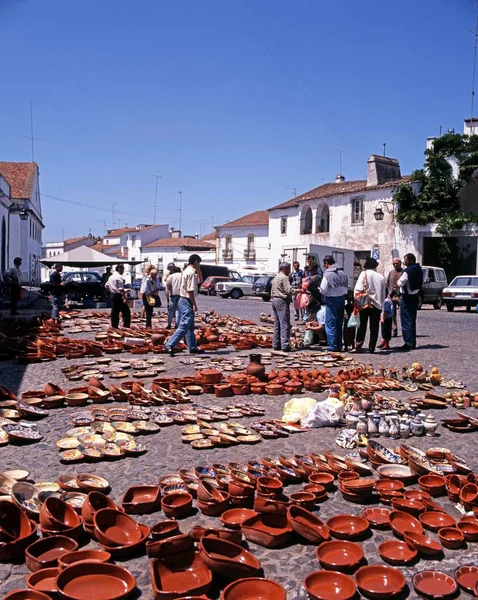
(447, 340)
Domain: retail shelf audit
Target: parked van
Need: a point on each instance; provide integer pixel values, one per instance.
(434, 282)
(218, 271)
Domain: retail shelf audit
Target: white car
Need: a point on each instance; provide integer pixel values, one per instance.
(236, 289)
(462, 291)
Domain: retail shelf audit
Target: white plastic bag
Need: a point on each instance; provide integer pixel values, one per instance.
(324, 414)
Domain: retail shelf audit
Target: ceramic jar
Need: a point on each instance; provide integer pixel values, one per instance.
(383, 427)
(362, 428)
(372, 427)
(255, 367)
(394, 430)
(352, 419)
(416, 426)
(404, 427)
(430, 425)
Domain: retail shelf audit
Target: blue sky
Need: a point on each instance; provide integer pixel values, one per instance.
(231, 101)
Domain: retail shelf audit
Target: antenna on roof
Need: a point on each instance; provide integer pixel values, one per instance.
(293, 189)
(31, 136)
(113, 212)
(341, 152)
(475, 33)
(155, 196)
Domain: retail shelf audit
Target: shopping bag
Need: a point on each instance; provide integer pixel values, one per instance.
(354, 320)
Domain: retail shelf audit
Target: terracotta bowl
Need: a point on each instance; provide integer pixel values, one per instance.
(130, 549)
(236, 516)
(348, 527)
(325, 479)
(268, 530)
(318, 490)
(379, 582)
(469, 493)
(330, 585)
(230, 535)
(215, 509)
(269, 485)
(106, 581)
(44, 553)
(434, 584)
(363, 485)
(389, 485)
(55, 514)
(451, 537)
(226, 558)
(43, 580)
(114, 528)
(177, 543)
(304, 499)
(339, 555)
(397, 553)
(379, 518)
(435, 485)
(142, 499)
(165, 529)
(14, 522)
(177, 505)
(467, 578)
(469, 530)
(423, 544)
(347, 475)
(436, 520)
(26, 595)
(254, 588)
(207, 492)
(416, 495)
(307, 525)
(94, 502)
(81, 555)
(179, 574)
(412, 507)
(401, 521)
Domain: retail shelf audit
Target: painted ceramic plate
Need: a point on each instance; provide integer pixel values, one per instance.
(3, 437)
(249, 439)
(146, 426)
(163, 420)
(133, 447)
(137, 415)
(91, 439)
(90, 452)
(47, 486)
(9, 413)
(76, 431)
(119, 375)
(71, 456)
(117, 436)
(111, 450)
(202, 444)
(22, 433)
(125, 427)
(190, 429)
(192, 437)
(67, 443)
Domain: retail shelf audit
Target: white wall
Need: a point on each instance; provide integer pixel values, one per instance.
(239, 245)
(161, 257)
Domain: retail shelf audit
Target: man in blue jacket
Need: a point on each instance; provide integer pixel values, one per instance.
(410, 284)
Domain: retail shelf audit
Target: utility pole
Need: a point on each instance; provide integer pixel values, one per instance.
(180, 211)
(113, 212)
(104, 225)
(31, 137)
(155, 195)
(475, 33)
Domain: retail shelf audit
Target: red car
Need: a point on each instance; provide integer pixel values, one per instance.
(208, 286)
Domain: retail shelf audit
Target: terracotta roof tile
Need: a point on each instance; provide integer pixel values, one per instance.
(183, 242)
(338, 189)
(210, 237)
(20, 176)
(121, 231)
(75, 239)
(260, 217)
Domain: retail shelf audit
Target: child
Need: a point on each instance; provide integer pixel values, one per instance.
(386, 319)
(349, 332)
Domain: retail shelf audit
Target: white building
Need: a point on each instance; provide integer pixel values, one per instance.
(52, 249)
(177, 250)
(21, 218)
(243, 244)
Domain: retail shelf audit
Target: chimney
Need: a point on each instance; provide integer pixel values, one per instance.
(471, 126)
(430, 142)
(339, 178)
(381, 169)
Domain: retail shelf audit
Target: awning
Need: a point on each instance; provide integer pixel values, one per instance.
(85, 256)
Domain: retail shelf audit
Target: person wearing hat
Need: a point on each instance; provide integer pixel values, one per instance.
(334, 287)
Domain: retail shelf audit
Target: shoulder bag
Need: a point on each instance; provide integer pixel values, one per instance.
(362, 299)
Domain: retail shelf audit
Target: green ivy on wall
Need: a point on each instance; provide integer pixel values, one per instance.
(438, 199)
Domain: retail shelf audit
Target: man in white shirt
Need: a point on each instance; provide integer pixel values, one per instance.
(115, 286)
(190, 280)
(334, 287)
(173, 288)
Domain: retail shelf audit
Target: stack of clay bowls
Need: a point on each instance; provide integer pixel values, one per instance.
(17, 531)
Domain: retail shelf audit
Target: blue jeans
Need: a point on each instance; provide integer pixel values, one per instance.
(408, 317)
(173, 307)
(334, 321)
(57, 304)
(186, 325)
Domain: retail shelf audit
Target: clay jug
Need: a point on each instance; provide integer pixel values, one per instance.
(255, 367)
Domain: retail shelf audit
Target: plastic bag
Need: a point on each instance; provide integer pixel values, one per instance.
(325, 414)
(301, 301)
(295, 409)
(308, 337)
(354, 320)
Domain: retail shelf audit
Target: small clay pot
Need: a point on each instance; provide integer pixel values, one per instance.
(177, 505)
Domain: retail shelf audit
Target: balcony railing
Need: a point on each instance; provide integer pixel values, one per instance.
(250, 254)
(227, 254)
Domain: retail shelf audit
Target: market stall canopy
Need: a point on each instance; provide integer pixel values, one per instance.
(85, 257)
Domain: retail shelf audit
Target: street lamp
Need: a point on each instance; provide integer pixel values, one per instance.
(20, 211)
(379, 214)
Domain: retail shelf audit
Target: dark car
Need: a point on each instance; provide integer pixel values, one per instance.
(78, 285)
(262, 287)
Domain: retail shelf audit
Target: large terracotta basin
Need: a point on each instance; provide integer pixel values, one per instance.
(235, 517)
(268, 530)
(434, 584)
(339, 555)
(94, 502)
(330, 585)
(56, 515)
(436, 520)
(45, 553)
(26, 595)
(348, 527)
(380, 583)
(254, 588)
(307, 525)
(142, 499)
(227, 558)
(115, 528)
(14, 522)
(396, 552)
(402, 522)
(92, 579)
(178, 575)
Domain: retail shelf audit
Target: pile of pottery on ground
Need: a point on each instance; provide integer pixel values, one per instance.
(251, 502)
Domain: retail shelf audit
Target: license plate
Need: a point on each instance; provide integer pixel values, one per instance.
(463, 296)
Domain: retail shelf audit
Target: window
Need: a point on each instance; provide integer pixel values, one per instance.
(323, 220)
(250, 251)
(227, 252)
(440, 273)
(357, 211)
(283, 225)
(306, 220)
(133, 240)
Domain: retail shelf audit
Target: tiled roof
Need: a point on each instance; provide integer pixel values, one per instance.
(106, 248)
(210, 237)
(76, 239)
(117, 232)
(260, 217)
(338, 189)
(183, 242)
(20, 176)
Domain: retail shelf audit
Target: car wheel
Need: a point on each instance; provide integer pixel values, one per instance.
(212, 292)
(450, 307)
(266, 298)
(438, 303)
(236, 294)
(420, 301)
(468, 309)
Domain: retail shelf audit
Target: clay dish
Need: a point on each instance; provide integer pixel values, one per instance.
(379, 582)
(416, 495)
(226, 558)
(304, 499)
(389, 485)
(339, 555)
(173, 545)
(177, 505)
(469, 530)
(26, 595)
(422, 543)
(348, 527)
(230, 535)
(45, 553)
(208, 492)
(214, 509)
(469, 493)
(114, 528)
(451, 537)
(412, 507)
(271, 506)
(127, 550)
(57, 515)
(43, 580)
(347, 475)
(325, 479)
(268, 530)
(436, 520)
(435, 485)
(254, 588)
(14, 522)
(17, 474)
(165, 529)
(105, 581)
(379, 518)
(330, 585)
(434, 584)
(142, 499)
(402, 521)
(80, 555)
(318, 490)
(92, 483)
(179, 574)
(307, 525)
(397, 553)
(269, 485)
(94, 502)
(467, 578)
(235, 517)
(359, 486)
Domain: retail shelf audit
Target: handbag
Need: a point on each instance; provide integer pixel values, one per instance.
(362, 299)
(153, 300)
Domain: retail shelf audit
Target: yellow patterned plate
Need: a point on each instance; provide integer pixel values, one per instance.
(76, 431)
(125, 427)
(71, 456)
(67, 443)
(192, 437)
